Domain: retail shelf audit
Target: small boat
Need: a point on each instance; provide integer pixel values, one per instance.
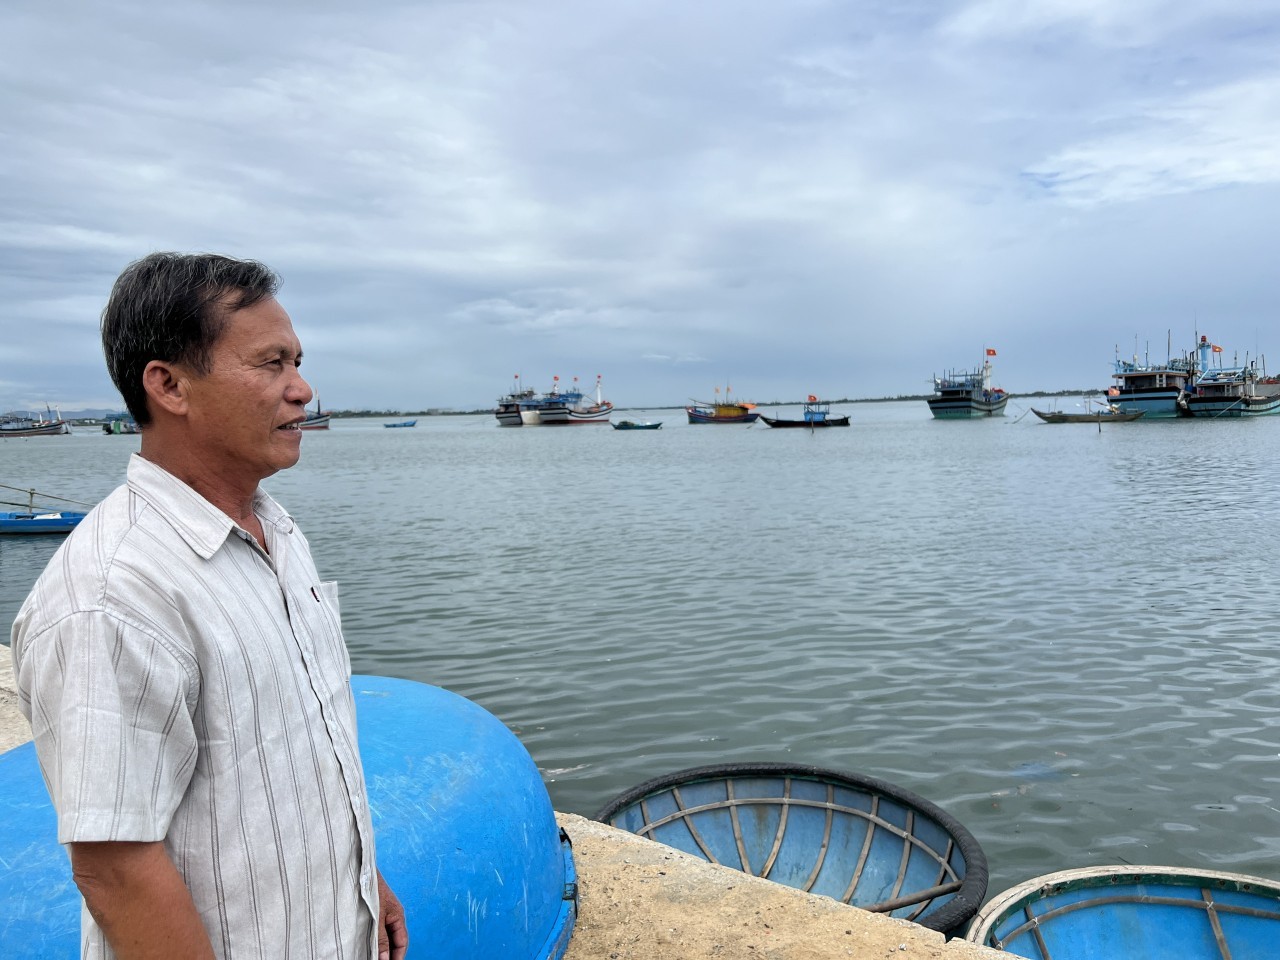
(721, 411)
(1124, 912)
(401, 424)
(33, 519)
(852, 838)
(637, 425)
(23, 425)
(116, 424)
(316, 419)
(817, 413)
(26, 523)
(961, 395)
(1110, 414)
(1228, 391)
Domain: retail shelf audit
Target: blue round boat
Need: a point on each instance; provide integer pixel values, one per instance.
(1122, 912)
(465, 831)
(855, 839)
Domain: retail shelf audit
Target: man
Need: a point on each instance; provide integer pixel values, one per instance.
(183, 666)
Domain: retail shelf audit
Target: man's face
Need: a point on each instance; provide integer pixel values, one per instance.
(245, 411)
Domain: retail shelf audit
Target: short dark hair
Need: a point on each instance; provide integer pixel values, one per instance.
(173, 307)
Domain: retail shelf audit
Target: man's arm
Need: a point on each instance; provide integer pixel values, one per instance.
(139, 900)
(393, 934)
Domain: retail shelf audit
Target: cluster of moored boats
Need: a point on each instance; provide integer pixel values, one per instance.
(1196, 384)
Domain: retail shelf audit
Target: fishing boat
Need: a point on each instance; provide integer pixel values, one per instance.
(402, 424)
(855, 839)
(571, 407)
(637, 425)
(1156, 389)
(316, 419)
(1109, 414)
(117, 424)
(24, 523)
(24, 425)
(721, 411)
(508, 410)
(31, 518)
(961, 395)
(1221, 391)
(817, 413)
(1125, 912)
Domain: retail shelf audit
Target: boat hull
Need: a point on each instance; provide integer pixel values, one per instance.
(54, 429)
(1053, 417)
(567, 416)
(31, 524)
(828, 422)
(1110, 913)
(1153, 404)
(320, 422)
(631, 425)
(700, 416)
(1211, 407)
(966, 408)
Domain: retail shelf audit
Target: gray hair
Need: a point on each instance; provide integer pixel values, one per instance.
(173, 307)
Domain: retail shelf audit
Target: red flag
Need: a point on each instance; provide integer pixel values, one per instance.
(812, 398)
(990, 352)
(1216, 348)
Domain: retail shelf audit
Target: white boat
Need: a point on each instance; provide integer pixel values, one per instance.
(962, 395)
(1228, 391)
(571, 407)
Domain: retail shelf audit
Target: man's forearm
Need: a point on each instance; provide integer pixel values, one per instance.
(139, 900)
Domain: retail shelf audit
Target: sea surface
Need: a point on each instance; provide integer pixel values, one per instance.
(1064, 636)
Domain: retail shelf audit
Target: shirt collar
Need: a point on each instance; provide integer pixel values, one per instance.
(203, 526)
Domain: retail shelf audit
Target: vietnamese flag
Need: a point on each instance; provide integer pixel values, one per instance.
(1216, 348)
(990, 352)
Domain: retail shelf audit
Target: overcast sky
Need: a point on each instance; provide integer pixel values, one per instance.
(789, 197)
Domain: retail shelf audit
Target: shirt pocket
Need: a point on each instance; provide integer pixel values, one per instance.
(323, 622)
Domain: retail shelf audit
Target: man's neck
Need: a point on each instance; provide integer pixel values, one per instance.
(230, 495)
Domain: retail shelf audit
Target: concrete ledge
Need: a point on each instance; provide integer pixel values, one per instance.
(640, 900)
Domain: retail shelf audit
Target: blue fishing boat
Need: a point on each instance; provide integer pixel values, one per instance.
(852, 838)
(402, 424)
(1127, 912)
(1156, 390)
(23, 523)
(817, 413)
(961, 395)
(1235, 391)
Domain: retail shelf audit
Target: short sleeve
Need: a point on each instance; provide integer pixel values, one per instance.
(112, 726)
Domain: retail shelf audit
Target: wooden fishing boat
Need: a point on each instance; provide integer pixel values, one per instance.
(721, 411)
(637, 425)
(117, 424)
(402, 424)
(1093, 416)
(1124, 912)
(856, 839)
(817, 413)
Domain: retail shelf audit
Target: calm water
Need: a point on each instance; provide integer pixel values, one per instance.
(1063, 637)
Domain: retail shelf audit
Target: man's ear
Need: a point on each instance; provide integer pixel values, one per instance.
(166, 385)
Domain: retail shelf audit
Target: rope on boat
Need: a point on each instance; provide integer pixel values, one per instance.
(32, 494)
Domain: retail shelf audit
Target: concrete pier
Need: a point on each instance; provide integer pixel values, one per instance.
(640, 900)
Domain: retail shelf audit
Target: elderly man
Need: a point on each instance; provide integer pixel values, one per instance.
(183, 665)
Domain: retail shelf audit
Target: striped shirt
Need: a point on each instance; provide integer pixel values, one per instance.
(184, 685)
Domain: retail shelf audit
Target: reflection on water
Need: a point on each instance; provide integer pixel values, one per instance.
(1059, 634)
